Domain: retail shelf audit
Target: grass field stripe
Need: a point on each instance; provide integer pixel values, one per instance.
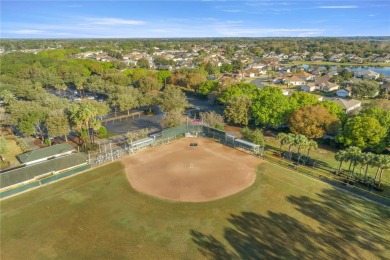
(65, 191)
(295, 186)
(330, 185)
(326, 176)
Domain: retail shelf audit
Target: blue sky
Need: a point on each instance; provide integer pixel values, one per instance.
(207, 18)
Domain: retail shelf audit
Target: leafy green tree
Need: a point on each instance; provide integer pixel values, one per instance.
(163, 75)
(7, 96)
(313, 122)
(226, 67)
(237, 66)
(335, 109)
(240, 89)
(256, 136)
(195, 79)
(303, 99)
(172, 119)
(363, 132)
(173, 99)
(129, 100)
(143, 63)
(237, 110)
(270, 107)
(212, 119)
(212, 68)
(57, 124)
(365, 89)
(147, 83)
(207, 87)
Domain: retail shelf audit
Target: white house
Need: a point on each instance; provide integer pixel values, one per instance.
(368, 74)
(344, 92)
(308, 87)
(348, 105)
(296, 81)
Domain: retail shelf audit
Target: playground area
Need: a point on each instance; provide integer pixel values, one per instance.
(191, 169)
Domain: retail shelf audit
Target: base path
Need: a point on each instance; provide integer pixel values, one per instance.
(180, 172)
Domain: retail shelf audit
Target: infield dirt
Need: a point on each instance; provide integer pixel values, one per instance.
(180, 172)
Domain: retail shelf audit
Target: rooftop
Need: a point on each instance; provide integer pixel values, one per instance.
(46, 152)
(22, 174)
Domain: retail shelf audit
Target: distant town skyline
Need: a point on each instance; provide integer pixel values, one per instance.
(183, 19)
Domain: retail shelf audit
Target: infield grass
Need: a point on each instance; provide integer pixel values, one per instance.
(97, 215)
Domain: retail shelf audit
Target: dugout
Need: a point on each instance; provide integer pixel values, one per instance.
(255, 148)
(214, 133)
(141, 143)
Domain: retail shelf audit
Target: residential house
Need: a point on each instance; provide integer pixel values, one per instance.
(308, 87)
(294, 80)
(324, 84)
(344, 92)
(367, 74)
(295, 58)
(329, 86)
(305, 76)
(348, 105)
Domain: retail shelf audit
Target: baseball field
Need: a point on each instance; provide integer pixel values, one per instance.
(275, 213)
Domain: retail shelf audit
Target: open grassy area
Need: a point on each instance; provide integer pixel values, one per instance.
(13, 149)
(326, 161)
(98, 215)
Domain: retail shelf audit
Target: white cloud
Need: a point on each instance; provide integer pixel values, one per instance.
(372, 15)
(337, 6)
(114, 21)
(25, 31)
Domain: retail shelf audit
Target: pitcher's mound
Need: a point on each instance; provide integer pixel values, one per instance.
(180, 172)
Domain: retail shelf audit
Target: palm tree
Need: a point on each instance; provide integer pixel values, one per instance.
(382, 162)
(366, 160)
(281, 137)
(353, 153)
(290, 139)
(311, 145)
(301, 142)
(385, 166)
(341, 156)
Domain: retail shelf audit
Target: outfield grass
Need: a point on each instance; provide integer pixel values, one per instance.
(97, 215)
(326, 160)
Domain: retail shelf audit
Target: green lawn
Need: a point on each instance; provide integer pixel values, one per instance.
(327, 162)
(97, 215)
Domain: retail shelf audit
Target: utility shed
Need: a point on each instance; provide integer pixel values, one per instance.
(42, 169)
(46, 153)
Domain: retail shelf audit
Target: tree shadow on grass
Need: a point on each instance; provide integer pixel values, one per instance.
(276, 235)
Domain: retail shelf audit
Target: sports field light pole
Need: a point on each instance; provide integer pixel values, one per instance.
(112, 157)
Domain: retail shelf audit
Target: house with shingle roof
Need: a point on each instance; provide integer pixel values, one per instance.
(348, 105)
(367, 74)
